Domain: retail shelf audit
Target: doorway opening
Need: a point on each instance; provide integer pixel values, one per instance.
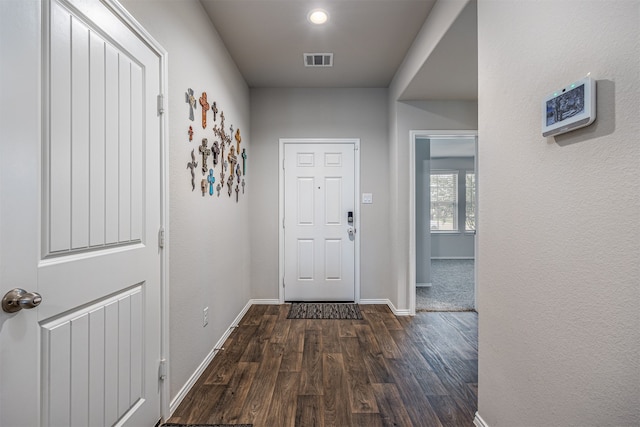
(443, 225)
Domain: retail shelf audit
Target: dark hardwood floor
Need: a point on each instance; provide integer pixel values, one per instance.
(380, 371)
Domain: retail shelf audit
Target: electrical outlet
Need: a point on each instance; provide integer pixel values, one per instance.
(205, 317)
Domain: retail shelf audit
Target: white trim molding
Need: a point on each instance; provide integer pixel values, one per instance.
(479, 422)
(413, 135)
(387, 302)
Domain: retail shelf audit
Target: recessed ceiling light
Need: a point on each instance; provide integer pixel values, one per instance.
(318, 16)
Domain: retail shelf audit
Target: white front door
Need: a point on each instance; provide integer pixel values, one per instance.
(319, 238)
(80, 212)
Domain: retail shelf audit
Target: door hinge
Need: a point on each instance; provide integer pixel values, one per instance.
(161, 238)
(282, 222)
(160, 104)
(283, 282)
(162, 370)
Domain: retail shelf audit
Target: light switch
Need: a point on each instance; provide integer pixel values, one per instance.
(367, 198)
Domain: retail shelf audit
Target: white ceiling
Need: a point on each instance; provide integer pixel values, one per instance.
(369, 40)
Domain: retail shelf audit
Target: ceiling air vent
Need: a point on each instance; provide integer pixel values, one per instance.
(318, 59)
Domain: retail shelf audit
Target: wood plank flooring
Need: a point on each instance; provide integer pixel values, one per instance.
(380, 371)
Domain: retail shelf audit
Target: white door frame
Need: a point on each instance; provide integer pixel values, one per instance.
(135, 26)
(356, 171)
(413, 135)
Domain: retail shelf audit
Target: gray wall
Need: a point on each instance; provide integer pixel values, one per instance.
(319, 113)
(209, 237)
(559, 241)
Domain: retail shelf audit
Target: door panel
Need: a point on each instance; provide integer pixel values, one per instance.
(88, 172)
(95, 258)
(79, 347)
(319, 192)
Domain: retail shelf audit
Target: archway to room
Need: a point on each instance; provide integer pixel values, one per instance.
(443, 225)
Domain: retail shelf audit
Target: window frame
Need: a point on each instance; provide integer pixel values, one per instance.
(456, 203)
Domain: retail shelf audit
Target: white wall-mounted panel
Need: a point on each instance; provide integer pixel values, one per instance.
(305, 259)
(333, 200)
(305, 201)
(93, 362)
(333, 259)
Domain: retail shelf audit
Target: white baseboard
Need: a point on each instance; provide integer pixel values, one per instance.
(263, 302)
(394, 310)
(479, 422)
(175, 402)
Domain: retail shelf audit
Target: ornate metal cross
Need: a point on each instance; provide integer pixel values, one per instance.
(205, 153)
(233, 160)
(215, 150)
(191, 165)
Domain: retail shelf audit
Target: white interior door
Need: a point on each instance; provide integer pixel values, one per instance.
(80, 223)
(319, 240)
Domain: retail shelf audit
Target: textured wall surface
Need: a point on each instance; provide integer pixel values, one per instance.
(209, 236)
(405, 117)
(558, 270)
(320, 113)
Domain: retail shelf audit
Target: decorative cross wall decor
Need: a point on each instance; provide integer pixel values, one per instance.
(231, 172)
(238, 139)
(215, 150)
(230, 185)
(233, 159)
(205, 153)
(211, 179)
(191, 100)
(191, 165)
(205, 108)
(244, 161)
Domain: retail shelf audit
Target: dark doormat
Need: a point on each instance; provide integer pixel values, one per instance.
(308, 310)
(205, 425)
